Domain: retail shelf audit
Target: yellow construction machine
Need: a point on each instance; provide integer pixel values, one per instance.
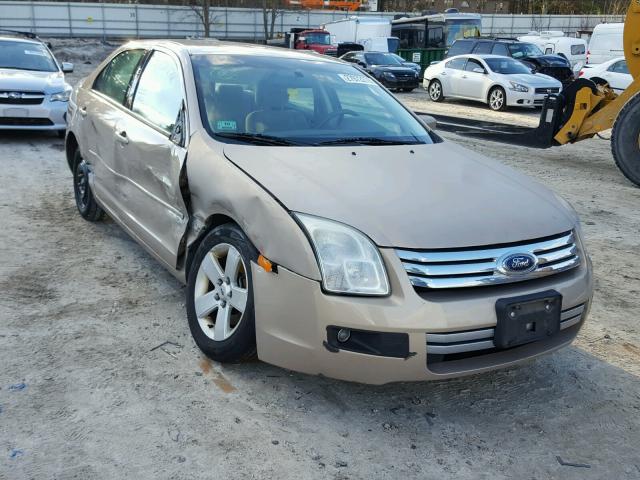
(581, 111)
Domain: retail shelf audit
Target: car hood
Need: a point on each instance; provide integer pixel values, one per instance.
(548, 61)
(537, 80)
(26, 80)
(439, 196)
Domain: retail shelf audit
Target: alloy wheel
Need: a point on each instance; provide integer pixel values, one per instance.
(82, 186)
(434, 91)
(496, 100)
(221, 290)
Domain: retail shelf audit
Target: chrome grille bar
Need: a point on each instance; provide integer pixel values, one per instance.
(474, 267)
(477, 340)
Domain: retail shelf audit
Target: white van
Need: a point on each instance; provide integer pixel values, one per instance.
(555, 43)
(606, 43)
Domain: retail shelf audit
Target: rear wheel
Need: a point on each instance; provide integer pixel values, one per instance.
(220, 295)
(497, 99)
(625, 140)
(85, 201)
(435, 91)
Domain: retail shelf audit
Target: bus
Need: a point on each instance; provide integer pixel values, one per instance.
(436, 31)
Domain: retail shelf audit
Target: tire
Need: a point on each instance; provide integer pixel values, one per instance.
(85, 201)
(497, 99)
(435, 91)
(209, 282)
(625, 140)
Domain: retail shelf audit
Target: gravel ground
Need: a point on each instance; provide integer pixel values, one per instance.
(101, 380)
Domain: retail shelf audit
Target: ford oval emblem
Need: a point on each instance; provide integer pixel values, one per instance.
(517, 263)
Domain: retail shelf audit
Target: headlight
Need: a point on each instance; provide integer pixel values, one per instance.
(389, 75)
(61, 96)
(349, 262)
(518, 87)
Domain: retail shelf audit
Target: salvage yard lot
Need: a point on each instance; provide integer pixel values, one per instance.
(100, 377)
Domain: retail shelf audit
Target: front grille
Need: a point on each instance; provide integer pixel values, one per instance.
(547, 91)
(478, 267)
(563, 74)
(21, 98)
(405, 75)
(478, 340)
(27, 122)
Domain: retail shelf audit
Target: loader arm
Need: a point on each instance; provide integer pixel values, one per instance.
(594, 112)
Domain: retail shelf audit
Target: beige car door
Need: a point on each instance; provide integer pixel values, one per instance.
(100, 107)
(151, 144)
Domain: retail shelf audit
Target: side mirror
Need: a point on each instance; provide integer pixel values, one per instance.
(362, 64)
(67, 67)
(429, 121)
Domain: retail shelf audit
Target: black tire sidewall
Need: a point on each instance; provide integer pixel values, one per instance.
(241, 344)
(91, 211)
(625, 136)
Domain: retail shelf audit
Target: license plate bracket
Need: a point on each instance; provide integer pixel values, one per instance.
(527, 318)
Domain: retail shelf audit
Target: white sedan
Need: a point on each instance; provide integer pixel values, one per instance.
(614, 72)
(500, 82)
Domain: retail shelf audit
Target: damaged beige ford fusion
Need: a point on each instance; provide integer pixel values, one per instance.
(316, 221)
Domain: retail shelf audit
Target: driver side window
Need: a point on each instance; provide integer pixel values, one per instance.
(472, 65)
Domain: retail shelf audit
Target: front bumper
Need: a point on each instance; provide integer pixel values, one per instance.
(401, 82)
(293, 313)
(525, 99)
(45, 116)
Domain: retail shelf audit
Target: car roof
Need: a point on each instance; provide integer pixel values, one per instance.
(212, 46)
(19, 38)
(480, 56)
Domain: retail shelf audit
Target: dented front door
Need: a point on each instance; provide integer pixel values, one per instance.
(153, 157)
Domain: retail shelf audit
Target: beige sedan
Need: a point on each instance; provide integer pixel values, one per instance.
(318, 223)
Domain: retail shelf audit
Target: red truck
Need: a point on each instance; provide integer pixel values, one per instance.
(314, 39)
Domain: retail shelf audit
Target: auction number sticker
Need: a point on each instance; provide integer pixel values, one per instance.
(350, 78)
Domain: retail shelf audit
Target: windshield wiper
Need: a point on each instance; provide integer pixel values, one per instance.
(366, 141)
(257, 138)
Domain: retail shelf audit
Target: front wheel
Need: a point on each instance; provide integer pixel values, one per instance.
(497, 99)
(435, 91)
(219, 303)
(625, 140)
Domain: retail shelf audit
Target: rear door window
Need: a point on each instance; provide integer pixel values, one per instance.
(500, 49)
(115, 78)
(483, 47)
(456, 63)
(159, 93)
(460, 47)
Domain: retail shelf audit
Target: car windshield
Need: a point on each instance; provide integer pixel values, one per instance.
(318, 38)
(26, 56)
(521, 50)
(293, 101)
(506, 66)
(382, 59)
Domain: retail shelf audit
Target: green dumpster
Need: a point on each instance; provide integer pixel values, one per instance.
(422, 56)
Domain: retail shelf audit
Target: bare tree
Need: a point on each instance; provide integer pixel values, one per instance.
(202, 9)
(270, 12)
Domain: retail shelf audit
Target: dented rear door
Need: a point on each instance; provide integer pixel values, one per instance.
(153, 157)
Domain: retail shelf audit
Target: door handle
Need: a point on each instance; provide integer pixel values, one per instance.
(122, 137)
(83, 110)
(443, 73)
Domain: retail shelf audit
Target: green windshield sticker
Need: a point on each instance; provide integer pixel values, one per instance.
(226, 125)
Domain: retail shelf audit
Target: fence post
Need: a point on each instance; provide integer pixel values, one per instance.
(104, 24)
(70, 21)
(33, 19)
(169, 34)
(137, 26)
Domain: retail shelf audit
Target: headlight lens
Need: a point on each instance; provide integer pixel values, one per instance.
(61, 96)
(389, 75)
(518, 87)
(349, 262)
